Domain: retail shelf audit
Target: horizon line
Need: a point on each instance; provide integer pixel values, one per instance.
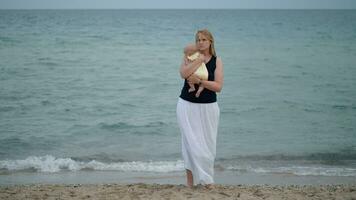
(177, 8)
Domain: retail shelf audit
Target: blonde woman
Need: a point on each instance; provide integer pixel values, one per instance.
(198, 118)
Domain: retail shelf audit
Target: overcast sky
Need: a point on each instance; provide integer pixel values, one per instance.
(117, 4)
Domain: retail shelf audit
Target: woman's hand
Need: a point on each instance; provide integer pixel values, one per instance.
(194, 79)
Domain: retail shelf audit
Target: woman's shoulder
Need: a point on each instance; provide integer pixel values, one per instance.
(218, 59)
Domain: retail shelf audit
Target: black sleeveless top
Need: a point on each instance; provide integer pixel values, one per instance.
(206, 96)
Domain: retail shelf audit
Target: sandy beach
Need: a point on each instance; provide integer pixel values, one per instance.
(175, 192)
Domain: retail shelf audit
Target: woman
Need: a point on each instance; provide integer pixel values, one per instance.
(198, 118)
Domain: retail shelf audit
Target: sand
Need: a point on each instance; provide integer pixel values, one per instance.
(168, 191)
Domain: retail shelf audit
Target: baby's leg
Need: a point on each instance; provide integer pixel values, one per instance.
(201, 88)
(192, 88)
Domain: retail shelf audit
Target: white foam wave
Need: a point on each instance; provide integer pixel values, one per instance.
(300, 170)
(51, 164)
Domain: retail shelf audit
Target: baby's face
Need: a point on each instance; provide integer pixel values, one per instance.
(190, 50)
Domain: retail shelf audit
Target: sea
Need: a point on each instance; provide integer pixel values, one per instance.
(89, 96)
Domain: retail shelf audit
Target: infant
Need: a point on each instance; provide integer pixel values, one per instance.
(191, 53)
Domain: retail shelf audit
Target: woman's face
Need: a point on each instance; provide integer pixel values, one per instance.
(202, 42)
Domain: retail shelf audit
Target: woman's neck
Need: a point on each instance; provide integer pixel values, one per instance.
(206, 53)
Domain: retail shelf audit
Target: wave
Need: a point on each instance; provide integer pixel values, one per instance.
(349, 155)
(51, 164)
(123, 125)
(9, 40)
(298, 170)
(7, 108)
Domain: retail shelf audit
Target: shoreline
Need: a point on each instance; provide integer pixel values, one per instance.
(175, 192)
(119, 177)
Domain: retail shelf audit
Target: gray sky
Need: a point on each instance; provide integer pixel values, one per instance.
(117, 4)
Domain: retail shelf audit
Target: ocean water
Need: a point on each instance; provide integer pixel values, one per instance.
(96, 90)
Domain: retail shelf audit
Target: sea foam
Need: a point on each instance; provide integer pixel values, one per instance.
(52, 164)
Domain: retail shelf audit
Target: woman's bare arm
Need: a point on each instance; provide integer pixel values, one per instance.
(218, 82)
(187, 69)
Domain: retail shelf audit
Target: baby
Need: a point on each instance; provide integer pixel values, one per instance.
(191, 53)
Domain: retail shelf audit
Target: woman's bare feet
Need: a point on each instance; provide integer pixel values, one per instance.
(189, 178)
(209, 186)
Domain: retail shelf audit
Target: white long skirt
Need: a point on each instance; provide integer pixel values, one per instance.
(198, 123)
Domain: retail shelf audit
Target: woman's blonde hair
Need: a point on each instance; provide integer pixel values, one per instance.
(210, 37)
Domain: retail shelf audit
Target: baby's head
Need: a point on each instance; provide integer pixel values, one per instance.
(190, 49)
